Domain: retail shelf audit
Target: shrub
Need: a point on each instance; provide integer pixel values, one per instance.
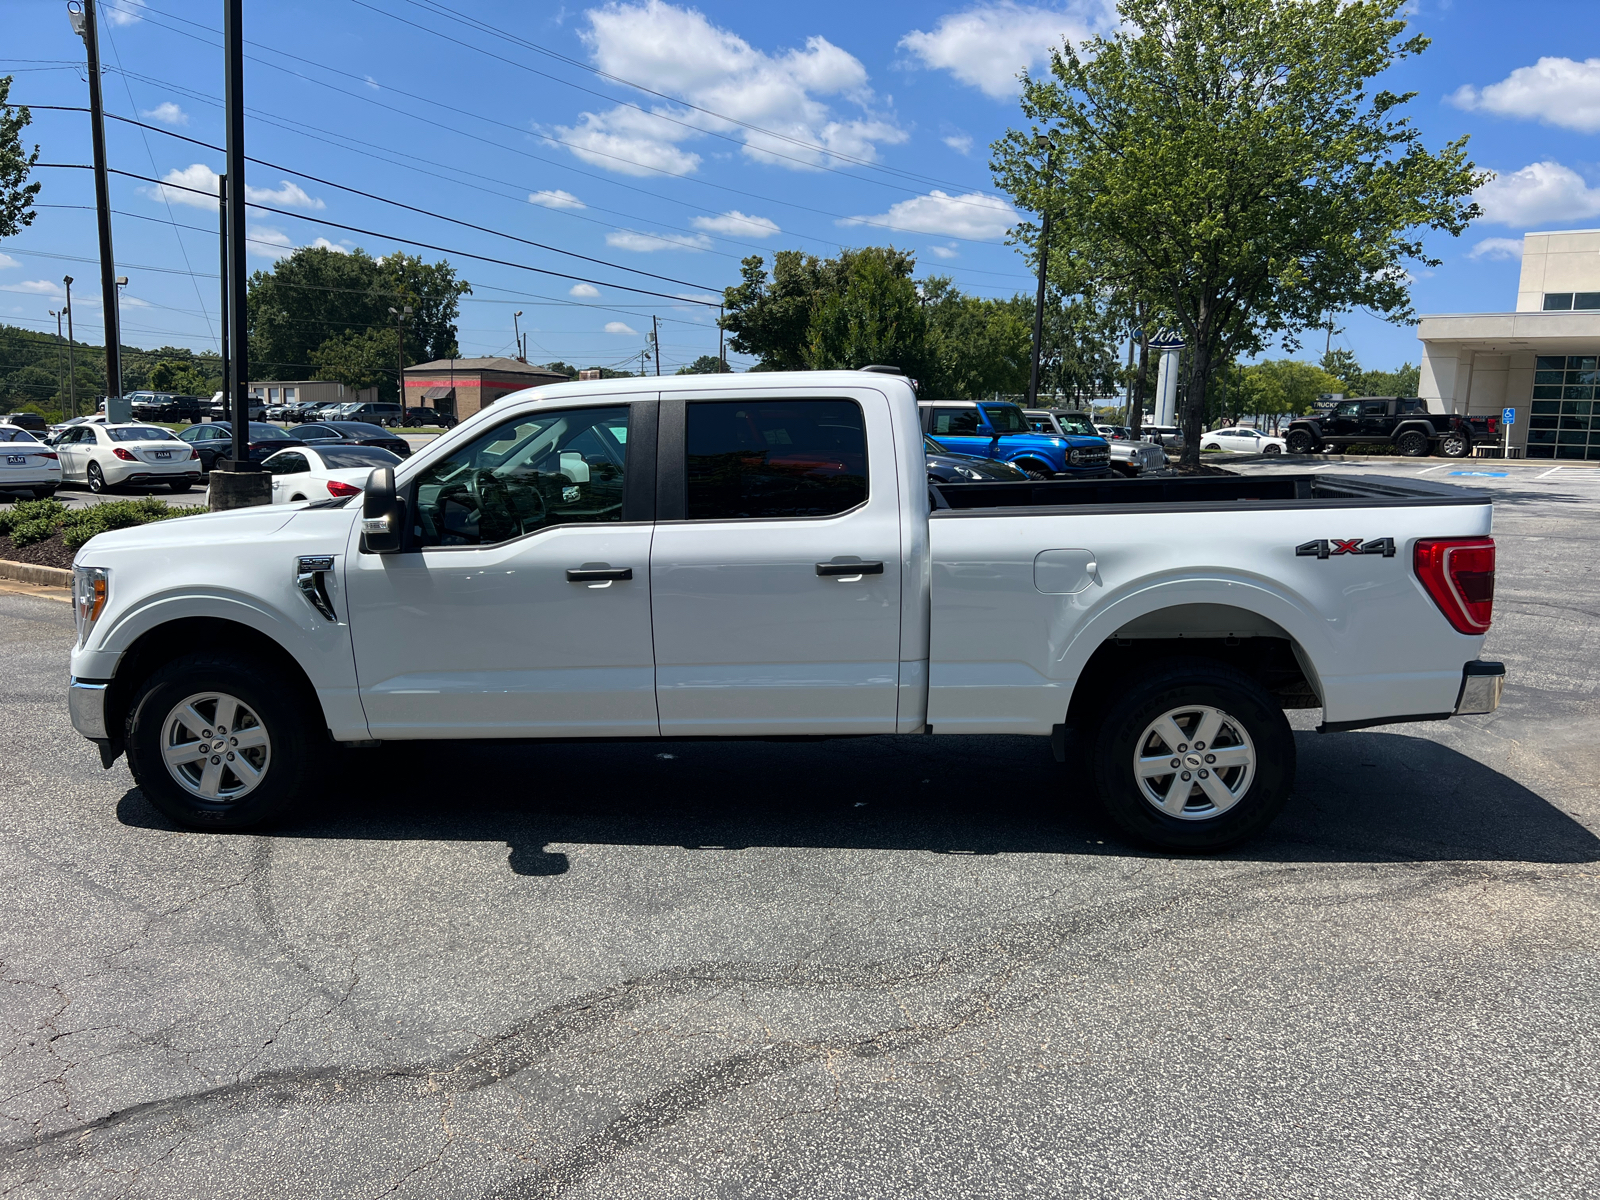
(36, 520)
(26, 511)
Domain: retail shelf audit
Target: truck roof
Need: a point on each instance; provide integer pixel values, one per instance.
(743, 381)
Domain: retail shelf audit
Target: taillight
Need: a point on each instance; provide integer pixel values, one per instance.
(337, 487)
(194, 454)
(124, 454)
(49, 454)
(1459, 574)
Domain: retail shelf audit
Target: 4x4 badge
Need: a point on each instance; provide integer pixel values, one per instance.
(1330, 547)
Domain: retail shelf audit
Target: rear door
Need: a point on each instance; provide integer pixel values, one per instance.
(775, 570)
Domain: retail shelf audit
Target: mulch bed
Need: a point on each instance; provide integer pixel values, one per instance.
(52, 552)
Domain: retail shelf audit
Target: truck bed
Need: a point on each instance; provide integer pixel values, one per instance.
(1199, 493)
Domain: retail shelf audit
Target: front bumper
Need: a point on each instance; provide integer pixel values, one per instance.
(86, 700)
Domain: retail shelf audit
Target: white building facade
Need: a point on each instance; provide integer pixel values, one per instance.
(1543, 359)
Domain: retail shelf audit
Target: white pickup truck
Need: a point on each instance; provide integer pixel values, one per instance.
(750, 556)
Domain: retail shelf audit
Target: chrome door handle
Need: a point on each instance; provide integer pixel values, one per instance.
(597, 574)
(829, 570)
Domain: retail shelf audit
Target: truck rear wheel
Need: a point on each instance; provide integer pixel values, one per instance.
(1195, 756)
(1300, 441)
(1413, 443)
(222, 743)
(1455, 445)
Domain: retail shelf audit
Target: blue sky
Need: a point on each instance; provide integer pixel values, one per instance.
(764, 127)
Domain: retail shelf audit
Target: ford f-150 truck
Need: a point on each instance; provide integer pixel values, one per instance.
(757, 556)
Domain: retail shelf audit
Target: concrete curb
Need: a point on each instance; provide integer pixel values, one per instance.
(37, 575)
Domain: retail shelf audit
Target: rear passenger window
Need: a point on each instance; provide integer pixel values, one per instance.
(774, 458)
(955, 420)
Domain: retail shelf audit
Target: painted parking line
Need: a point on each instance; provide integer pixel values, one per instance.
(1548, 473)
(1426, 470)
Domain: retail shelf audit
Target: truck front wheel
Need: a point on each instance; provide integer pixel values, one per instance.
(1194, 756)
(1300, 441)
(222, 743)
(1413, 443)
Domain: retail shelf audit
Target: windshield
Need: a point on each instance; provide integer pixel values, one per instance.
(1006, 418)
(358, 456)
(139, 433)
(13, 434)
(1076, 424)
(267, 433)
(359, 429)
(931, 446)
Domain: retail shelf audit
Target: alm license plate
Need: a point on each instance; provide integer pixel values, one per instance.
(16, 460)
(163, 454)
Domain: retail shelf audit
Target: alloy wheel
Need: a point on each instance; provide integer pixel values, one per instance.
(215, 746)
(1194, 763)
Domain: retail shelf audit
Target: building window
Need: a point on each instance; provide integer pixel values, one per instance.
(1558, 302)
(1564, 421)
(1586, 300)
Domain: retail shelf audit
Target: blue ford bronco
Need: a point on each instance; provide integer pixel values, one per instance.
(998, 430)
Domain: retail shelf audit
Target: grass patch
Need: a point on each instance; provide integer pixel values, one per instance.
(31, 521)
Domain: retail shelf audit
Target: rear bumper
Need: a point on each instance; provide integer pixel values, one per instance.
(1481, 686)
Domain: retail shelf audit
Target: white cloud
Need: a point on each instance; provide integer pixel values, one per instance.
(1557, 91)
(586, 291)
(39, 287)
(122, 12)
(372, 83)
(7, 261)
(1497, 248)
(1539, 193)
(267, 242)
(645, 243)
(971, 216)
(949, 251)
(620, 327)
(555, 199)
(323, 243)
(961, 143)
(679, 53)
(988, 45)
(166, 112)
(737, 224)
(196, 186)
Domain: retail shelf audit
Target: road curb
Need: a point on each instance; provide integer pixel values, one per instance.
(35, 574)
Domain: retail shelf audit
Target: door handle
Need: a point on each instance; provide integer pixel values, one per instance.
(597, 574)
(831, 569)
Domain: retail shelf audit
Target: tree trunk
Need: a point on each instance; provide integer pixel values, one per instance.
(1194, 400)
(1136, 409)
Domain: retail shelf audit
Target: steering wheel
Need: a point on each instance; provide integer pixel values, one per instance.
(498, 518)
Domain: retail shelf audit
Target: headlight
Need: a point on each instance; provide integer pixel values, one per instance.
(90, 587)
(968, 473)
(1074, 456)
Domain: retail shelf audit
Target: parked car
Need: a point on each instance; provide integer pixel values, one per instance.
(1116, 433)
(214, 440)
(106, 456)
(1242, 440)
(329, 470)
(792, 574)
(61, 427)
(371, 411)
(1000, 431)
(220, 408)
(1130, 459)
(358, 433)
(1403, 422)
(32, 422)
(417, 418)
(944, 467)
(27, 464)
(1168, 437)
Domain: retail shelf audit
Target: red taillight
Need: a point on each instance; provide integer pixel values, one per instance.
(126, 455)
(339, 488)
(48, 454)
(194, 454)
(1459, 574)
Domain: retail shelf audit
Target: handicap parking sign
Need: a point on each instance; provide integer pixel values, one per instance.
(1508, 416)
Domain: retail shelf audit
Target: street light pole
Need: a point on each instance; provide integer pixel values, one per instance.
(400, 316)
(61, 384)
(222, 243)
(655, 340)
(86, 24)
(1041, 142)
(517, 328)
(238, 331)
(72, 369)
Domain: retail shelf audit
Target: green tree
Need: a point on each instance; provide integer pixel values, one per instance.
(1224, 159)
(184, 378)
(981, 346)
(770, 319)
(706, 364)
(361, 359)
(1281, 387)
(16, 194)
(872, 314)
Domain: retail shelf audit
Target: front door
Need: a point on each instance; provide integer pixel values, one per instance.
(521, 605)
(775, 572)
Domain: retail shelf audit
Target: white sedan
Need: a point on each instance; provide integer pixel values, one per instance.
(27, 464)
(328, 470)
(1242, 441)
(108, 456)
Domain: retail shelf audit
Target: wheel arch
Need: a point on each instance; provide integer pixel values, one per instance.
(1422, 427)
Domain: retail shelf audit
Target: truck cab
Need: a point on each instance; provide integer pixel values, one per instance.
(1001, 431)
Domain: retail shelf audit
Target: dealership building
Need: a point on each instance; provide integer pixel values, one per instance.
(1543, 359)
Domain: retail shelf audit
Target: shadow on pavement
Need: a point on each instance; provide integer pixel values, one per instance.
(1360, 797)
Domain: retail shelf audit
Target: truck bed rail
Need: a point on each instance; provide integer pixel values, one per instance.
(1205, 492)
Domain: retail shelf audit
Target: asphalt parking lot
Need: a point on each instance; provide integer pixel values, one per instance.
(885, 967)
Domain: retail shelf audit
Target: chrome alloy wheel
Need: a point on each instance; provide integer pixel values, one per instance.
(1194, 763)
(215, 746)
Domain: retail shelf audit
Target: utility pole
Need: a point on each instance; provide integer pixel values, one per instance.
(655, 340)
(238, 334)
(722, 353)
(72, 369)
(1041, 142)
(522, 355)
(400, 316)
(61, 384)
(85, 25)
(222, 242)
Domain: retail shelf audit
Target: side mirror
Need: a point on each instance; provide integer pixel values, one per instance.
(382, 513)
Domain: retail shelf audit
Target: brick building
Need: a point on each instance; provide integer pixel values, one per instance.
(462, 386)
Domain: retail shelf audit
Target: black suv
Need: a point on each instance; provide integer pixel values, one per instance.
(1403, 422)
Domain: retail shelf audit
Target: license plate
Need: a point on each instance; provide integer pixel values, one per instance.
(163, 454)
(16, 460)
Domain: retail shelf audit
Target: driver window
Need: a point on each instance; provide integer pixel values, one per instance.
(1348, 408)
(541, 469)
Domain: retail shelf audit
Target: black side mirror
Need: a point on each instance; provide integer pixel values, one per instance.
(382, 513)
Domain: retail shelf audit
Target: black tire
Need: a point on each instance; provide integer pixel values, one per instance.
(1032, 470)
(96, 478)
(43, 493)
(1413, 443)
(1211, 446)
(297, 745)
(180, 485)
(1300, 441)
(1194, 684)
(1271, 450)
(1455, 445)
